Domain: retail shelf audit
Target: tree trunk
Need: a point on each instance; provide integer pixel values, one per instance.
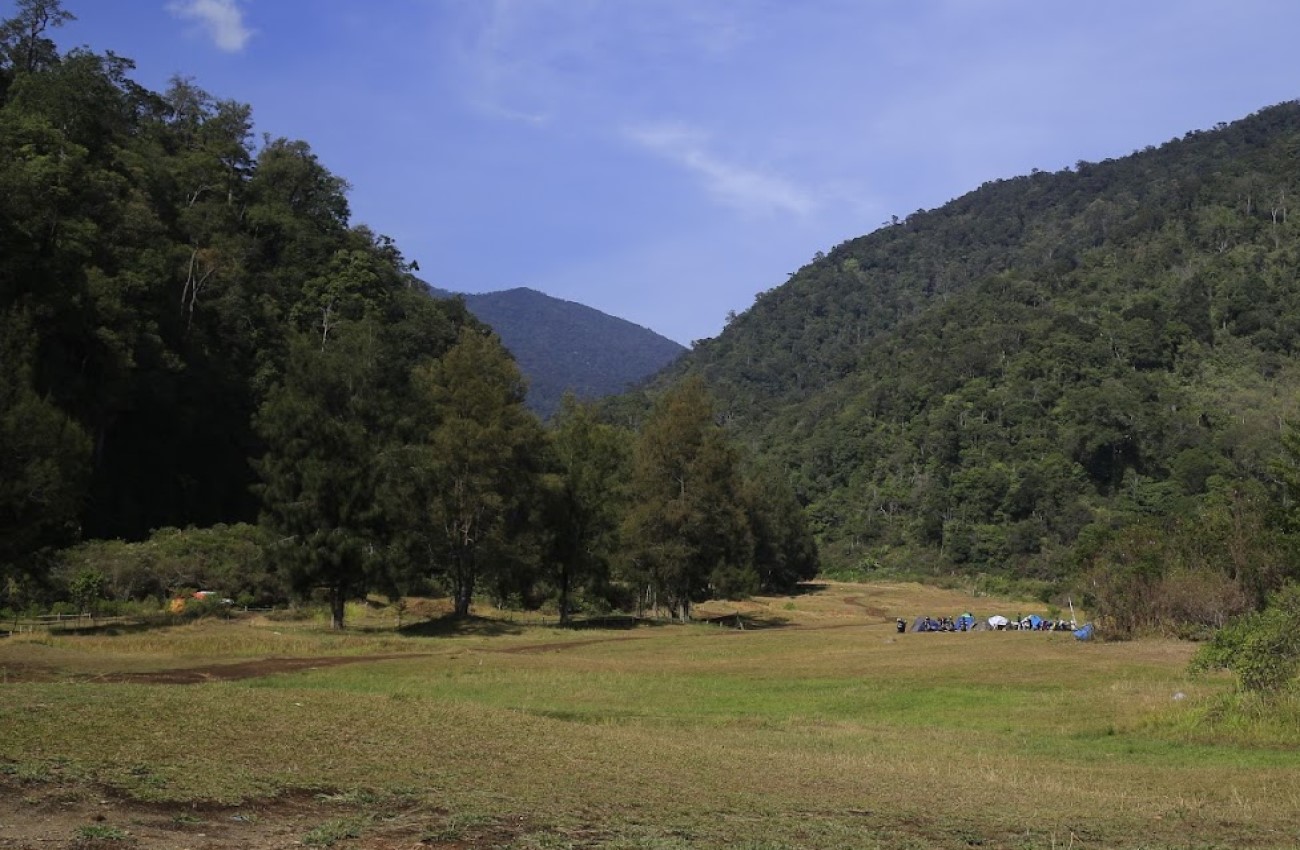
(463, 594)
(564, 595)
(337, 597)
(463, 586)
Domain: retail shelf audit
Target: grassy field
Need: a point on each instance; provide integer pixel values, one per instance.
(816, 726)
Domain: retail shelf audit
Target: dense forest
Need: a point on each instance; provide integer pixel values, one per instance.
(1085, 377)
(565, 347)
(210, 378)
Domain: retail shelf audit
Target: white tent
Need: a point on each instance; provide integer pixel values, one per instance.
(997, 621)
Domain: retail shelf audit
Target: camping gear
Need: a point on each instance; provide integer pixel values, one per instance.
(1084, 633)
(997, 621)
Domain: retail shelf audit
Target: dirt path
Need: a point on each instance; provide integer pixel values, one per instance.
(209, 673)
(556, 646)
(872, 610)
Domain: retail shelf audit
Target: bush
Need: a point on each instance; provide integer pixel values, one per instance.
(1169, 576)
(228, 559)
(87, 589)
(1262, 649)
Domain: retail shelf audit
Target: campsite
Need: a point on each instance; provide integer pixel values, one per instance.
(815, 724)
(968, 622)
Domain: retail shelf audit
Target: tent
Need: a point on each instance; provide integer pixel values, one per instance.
(965, 622)
(1084, 633)
(997, 621)
(1033, 621)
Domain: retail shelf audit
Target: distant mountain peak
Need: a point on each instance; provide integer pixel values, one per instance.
(563, 346)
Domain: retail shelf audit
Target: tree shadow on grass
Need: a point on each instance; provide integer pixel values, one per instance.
(613, 622)
(452, 626)
(628, 622)
(748, 622)
(120, 627)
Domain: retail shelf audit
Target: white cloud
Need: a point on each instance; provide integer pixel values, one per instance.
(747, 189)
(570, 61)
(222, 19)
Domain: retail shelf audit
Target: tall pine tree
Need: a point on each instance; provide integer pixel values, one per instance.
(687, 530)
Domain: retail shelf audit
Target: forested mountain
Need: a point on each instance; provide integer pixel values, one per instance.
(564, 346)
(1012, 380)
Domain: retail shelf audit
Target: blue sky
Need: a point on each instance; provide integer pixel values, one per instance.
(666, 160)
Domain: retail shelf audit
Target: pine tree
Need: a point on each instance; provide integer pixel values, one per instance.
(687, 529)
(318, 472)
(586, 499)
(473, 464)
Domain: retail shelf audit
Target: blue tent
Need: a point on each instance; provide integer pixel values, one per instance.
(1084, 633)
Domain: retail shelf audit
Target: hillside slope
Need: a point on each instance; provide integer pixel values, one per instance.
(562, 346)
(1037, 362)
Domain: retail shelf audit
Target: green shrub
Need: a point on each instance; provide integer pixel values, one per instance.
(228, 559)
(1262, 649)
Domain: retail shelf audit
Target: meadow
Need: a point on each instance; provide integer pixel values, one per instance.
(816, 725)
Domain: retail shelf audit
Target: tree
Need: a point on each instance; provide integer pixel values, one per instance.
(474, 461)
(785, 552)
(87, 589)
(587, 496)
(687, 529)
(44, 457)
(23, 45)
(318, 471)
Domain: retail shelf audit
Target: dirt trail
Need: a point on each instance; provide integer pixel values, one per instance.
(872, 610)
(556, 646)
(209, 673)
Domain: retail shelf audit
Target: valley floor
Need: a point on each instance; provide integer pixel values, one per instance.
(793, 722)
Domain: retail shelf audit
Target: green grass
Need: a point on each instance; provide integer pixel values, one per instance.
(331, 832)
(695, 736)
(99, 832)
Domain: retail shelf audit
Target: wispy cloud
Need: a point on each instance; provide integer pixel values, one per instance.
(223, 20)
(748, 189)
(565, 61)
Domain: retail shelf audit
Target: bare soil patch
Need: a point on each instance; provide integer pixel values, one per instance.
(72, 816)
